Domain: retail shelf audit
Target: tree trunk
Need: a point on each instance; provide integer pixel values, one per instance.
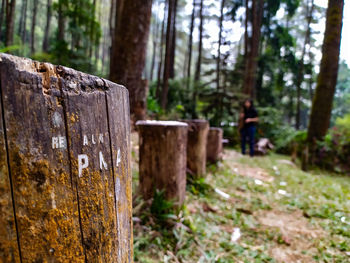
(155, 36)
(327, 78)
(300, 75)
(253, 54)
(173, 44)
(199, 62)
(190, 44)
(61, 21)
(10, 21)
(112, 18)
(129, 51)
(70, 191)
(218, 59)
(2, 17)
(32, 36)
(92, 32)
(160, 66)
(20, 26)
(163, 159)
(168, 52)
(246, 36)
(214, 145)
(200, 45)
(197, 147)
(24, 26)
(47, 28)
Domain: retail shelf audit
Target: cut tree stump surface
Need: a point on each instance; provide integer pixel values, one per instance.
(65, 181)
(162, 163)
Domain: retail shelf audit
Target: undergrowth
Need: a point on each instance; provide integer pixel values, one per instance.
(202, 229)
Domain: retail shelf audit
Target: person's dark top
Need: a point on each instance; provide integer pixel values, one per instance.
(249, 114)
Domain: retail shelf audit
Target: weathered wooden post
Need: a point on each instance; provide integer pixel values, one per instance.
(214, 145)
(197, 146)
(65, 178)
(163, 158)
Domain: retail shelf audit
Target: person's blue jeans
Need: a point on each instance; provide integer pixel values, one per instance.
(248, 134)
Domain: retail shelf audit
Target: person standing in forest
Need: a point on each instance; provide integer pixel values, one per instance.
(248, 120)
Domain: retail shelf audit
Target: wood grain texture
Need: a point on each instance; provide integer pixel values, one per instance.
(119, 122)
(163, 159)
(197, 146)
(46, 208)
(88, 135)
(64, 164)
(8, 239)
(214, 145)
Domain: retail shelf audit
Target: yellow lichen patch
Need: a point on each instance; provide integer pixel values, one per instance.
(74, 117)
(8, 239)
(97, 210)
(47, 222)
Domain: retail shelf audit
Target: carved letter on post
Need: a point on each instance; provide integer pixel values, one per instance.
(63, 197)
(197, 146)
(163, 158)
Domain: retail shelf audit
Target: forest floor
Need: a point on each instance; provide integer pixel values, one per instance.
(262, 209)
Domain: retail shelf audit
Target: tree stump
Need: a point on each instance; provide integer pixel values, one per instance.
(163, 158)
(65, 180)
(197, 146)
(214, 145)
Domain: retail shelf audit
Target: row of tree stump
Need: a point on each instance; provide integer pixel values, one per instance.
(171, 149)
(65, 180)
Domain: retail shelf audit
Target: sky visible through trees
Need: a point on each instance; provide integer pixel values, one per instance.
(191, 59)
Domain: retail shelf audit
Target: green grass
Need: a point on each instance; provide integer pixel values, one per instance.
(315, 214)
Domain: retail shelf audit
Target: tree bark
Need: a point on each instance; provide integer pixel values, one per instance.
(161, 56)
(112, 18)
(197, 147)
(218, 59)
(300, 75)
(327, 78)
(173, 44)
(197, 75)
(2, 17)
(168, 51)
(47, 27)
(190, 45)
(163, 159)
(246, 36)
(32, 36)
(214, 145)
(10, 21)
(20, 26)
(253, 54)
(61, 21)
(155, 36)
(129, 51)
(93, 41)
(200, 45)
(69, 168)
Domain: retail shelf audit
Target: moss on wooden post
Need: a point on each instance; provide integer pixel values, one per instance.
(67, 163)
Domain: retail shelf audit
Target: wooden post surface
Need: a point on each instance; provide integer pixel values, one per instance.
(214, 144)
(197, 146)
(163, 158)
(62, 162)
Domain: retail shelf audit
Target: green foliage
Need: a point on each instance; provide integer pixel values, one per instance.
(342, 94)
(271, 125)
(161, 208)
(198, 186)
(84, 34)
